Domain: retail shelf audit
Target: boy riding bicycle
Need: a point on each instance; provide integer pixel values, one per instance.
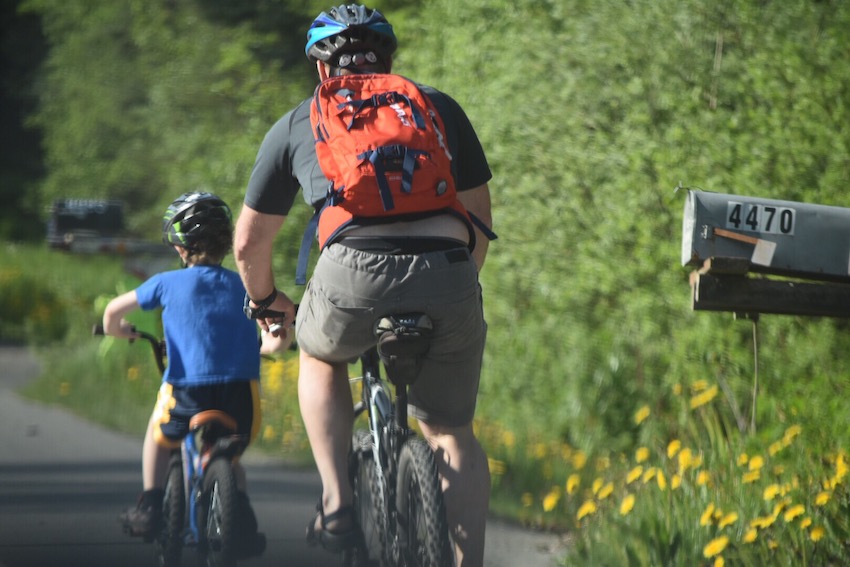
(212, 350)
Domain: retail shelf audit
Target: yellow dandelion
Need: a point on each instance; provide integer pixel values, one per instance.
(719, 561)
(508, 439)
(715, 546)
(527, 500)
(586, 509)
(840, 467)
(579, 460)
(696, 462)
(550, 501)
(793, 512)
(675, 481)
(641, 415)
(775, 447)
(699, 385)
(805, 523)
(702, 478)
(686, 459)
(634, 474)
(573, 483)
(817, 533)
(703, 398)
(605, 491)
(743, 458)
(751, 535)
(778, 470)
(642, 454)
(771, 544)
(762, 522)
(771, 492)
(728, 520)
(792, 432)
(268, 433)
(661, 480)
(751, 476)
(540, 451)
(822, 498)
(673, 448)
(597, 484)
(603, 464)
(649, 474)
(705, 519)
(756, 463)
(627, 504)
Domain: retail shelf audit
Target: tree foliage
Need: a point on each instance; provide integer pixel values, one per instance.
(591, 113)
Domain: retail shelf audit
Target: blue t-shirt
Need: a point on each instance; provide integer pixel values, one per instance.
(207, 337)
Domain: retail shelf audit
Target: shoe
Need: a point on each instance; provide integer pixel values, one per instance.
(333, 541)
(251, 543)
(145, 518)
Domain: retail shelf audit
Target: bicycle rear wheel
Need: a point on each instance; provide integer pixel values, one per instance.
(169, 541)
(422, 526)
(217, 515)
(368, 502)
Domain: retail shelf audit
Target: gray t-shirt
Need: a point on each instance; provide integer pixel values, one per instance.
(287, 159)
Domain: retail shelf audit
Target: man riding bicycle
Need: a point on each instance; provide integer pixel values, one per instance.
(420, 263)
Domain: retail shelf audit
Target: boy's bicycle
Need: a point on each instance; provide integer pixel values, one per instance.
(200, 500)
(397, 492)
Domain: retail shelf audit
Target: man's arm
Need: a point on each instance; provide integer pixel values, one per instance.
(477, 202)
(253, 239)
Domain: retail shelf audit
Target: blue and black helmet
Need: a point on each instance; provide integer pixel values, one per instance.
(195, 217)
(349, 28)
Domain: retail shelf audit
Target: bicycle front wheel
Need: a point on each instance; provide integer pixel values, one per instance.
(169, 541)
(368, 501)
(217, 520)
(422, 523)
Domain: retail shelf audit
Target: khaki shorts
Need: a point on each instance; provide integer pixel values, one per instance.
(351, 290)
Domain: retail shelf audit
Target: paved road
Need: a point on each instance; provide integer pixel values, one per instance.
(63, 482)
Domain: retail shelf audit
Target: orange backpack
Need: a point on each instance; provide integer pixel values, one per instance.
(382, 144)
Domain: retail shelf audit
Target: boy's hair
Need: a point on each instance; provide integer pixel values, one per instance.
(201, 223)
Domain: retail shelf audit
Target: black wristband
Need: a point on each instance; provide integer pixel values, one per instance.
(261, 306)
(264, 303)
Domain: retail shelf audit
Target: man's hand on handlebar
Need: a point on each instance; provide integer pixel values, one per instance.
(278, 317)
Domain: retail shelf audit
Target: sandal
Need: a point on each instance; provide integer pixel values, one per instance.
(333, 541)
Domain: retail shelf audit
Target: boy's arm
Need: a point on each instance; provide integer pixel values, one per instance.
(113, 316)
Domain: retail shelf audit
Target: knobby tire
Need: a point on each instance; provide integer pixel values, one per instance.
(169, 542)
(218, 515)
(368, 504)
(421, 511)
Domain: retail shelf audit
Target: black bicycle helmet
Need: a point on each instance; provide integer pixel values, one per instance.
(348, 28)
(194, 217)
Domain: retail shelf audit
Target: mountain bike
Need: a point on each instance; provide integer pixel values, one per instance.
(397, 493)
(200, 500)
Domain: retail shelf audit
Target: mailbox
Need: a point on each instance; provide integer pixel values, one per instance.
(784, 238)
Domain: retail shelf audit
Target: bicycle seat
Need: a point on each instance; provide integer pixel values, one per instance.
(403, 339)
(208, 417)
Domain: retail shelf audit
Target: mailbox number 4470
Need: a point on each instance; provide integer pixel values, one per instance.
(753, 217)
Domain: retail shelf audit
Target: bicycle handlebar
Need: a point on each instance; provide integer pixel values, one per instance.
(156, 344)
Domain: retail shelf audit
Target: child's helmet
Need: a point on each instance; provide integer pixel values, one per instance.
(194, 217)
(344, 28)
